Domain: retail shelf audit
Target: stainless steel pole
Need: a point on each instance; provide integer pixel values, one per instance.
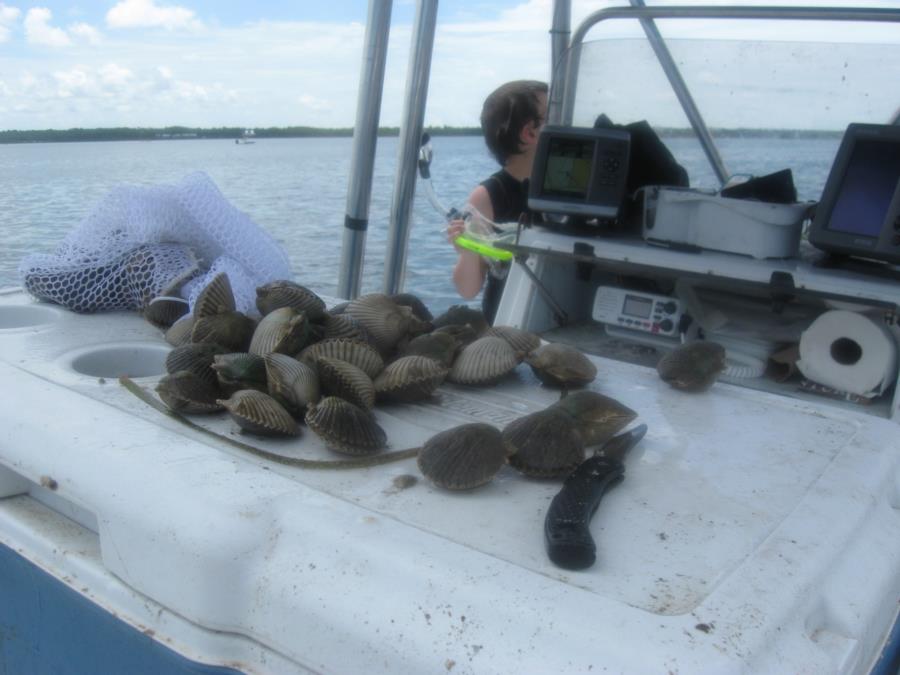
(410, 138)
(559, 35)
(365, 135)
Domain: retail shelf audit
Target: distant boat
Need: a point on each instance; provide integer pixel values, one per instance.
(247, 137)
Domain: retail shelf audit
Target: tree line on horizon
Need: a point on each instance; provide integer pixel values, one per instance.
(180, 133)
(232, 133)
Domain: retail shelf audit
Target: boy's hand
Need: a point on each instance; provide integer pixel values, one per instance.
(454, 229)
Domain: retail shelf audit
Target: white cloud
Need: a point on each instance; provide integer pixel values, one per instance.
(85, 32)
(8, 17)
(113, 75)
(38, 30)
(147, 14)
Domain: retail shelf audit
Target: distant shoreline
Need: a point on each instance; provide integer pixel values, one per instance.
(234, 133)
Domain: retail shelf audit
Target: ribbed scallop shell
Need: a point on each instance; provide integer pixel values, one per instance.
(258, 413)
(464, 335)
(283, 331)
(560, 365)
(345, 427)
(484, 361)
(186, 392)
(229, 329)
(162, 311)
(597, 417)
(216, 298)
(197, 358)
(463, 315)
(544, 444)
(522, 341)
(438, 346)
(463, 457)
(339, 378)
(240, 370)
(693, 367)
(361, 354)
(293, 384)
(342, 326)
(179, 333)
(284, 293)
(409, 379)
(419, 310)
(384, 320)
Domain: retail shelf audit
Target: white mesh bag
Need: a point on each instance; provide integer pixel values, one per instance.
(140, 242)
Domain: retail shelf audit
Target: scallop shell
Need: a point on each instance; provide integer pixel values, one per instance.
(163, 310)
(560, 365)
(463, 334)
(240, 370)
(284, 293)
(339, 378)
(522, 341)
(384, 320)
(441, 347)
(284, 331)
(463, 457)
(187, 392)
(215, 298)
(293, 384)
(345, 427)
(419, 310)
(258, 413)
(692, 367)
(197, 358)
(179, 333)
(544, 444)
(229, 329)
(343, 326)
(597, 417)
(360, 354)
(484, 361)
(463, 315)
(409, 379)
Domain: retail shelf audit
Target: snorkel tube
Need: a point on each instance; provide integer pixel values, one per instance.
(480, 233)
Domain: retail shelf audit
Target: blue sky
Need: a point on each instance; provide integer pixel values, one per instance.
(255, 64)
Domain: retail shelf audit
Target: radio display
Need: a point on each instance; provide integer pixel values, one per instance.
(637, 306)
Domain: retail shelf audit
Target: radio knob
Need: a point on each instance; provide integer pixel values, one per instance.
(666, 325)
(670, 307)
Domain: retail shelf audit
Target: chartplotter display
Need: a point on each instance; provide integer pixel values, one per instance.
(580, 172)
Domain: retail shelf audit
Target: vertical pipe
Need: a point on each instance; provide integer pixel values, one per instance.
(365, 135)
(410, 139)
(559, 34)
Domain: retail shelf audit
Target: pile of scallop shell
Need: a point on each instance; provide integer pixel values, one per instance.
(304, 364)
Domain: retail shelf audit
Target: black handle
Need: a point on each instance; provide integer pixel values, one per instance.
(567, 526)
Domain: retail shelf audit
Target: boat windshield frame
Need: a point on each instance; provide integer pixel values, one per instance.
(562, 98)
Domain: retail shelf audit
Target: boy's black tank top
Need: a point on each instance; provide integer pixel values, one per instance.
(509, 200)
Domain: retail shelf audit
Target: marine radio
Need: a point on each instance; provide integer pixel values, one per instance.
(637, 310)
(859, 213)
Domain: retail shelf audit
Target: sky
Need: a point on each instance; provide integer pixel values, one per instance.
(209, 63)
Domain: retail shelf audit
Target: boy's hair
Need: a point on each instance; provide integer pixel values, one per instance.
(505, 113)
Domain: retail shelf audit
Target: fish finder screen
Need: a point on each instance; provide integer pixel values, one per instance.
(635, 305)
(568, 171)
(867, 190)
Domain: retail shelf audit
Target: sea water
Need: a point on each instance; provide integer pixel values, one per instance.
(296, 189)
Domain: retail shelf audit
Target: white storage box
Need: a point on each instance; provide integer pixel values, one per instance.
(686, 218)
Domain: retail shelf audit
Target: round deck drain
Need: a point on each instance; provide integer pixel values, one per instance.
(113, 360)
(26, 316)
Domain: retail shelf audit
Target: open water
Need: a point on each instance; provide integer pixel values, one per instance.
(296, 189)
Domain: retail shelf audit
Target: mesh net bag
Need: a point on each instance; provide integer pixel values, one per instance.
(141, 242)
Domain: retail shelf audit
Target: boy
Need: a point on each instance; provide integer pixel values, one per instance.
(511, 120)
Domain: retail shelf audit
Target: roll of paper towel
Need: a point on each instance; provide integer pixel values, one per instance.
(849, 352)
